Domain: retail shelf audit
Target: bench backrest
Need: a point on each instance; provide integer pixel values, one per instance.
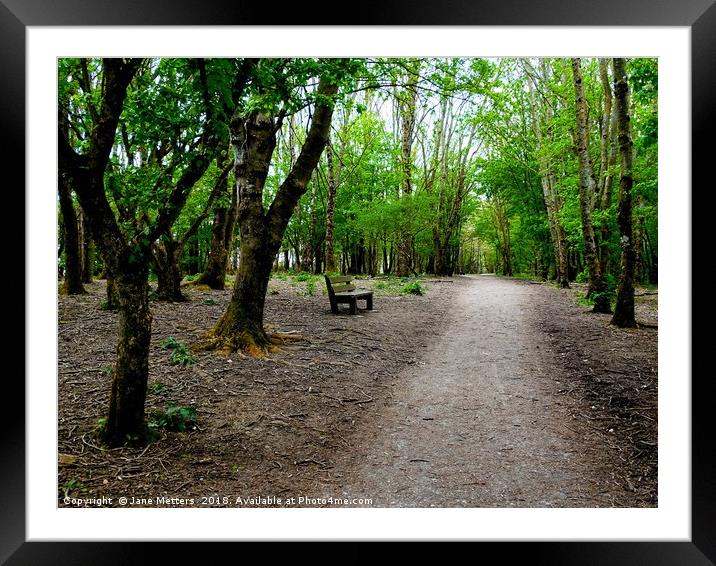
(339, 284)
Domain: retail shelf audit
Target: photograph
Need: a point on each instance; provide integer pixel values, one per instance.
(379, 282)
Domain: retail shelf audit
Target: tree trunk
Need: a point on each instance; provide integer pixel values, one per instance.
(241, 326)
(222, 235)
(640, 271)
(167, 253)
(318, 263)
(607, 156)
(654, 260)
(112, 299)
(86, 248)
(330, 209)
(297, 256)
(253, 139)
(193, 260)
(407, 118)
(438, 256)
(309, 253)
(166, 263)
(587, 187)
(125, 422)
(624, 310)
(215, 271)
(73, 268)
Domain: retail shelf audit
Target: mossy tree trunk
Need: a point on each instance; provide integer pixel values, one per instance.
(166, 256)
(587, 188)
(624, 309)
(253, 138)
(72, 284)
(125, 421)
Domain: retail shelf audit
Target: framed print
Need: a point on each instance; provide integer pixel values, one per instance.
(34, 35)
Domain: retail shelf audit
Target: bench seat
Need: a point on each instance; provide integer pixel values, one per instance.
(342, 291)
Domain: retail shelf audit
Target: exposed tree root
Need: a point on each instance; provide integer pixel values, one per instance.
(254, 346)
(196, 285)
(281, 338)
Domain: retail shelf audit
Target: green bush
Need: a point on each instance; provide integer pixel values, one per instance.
(414, 288)
(582, 276)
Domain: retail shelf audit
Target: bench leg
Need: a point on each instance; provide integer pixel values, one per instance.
(353, 306)
(369, 303)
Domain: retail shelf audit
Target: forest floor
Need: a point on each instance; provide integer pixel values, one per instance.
(485, 392)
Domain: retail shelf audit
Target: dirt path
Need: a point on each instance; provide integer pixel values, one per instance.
(483, 392)
(479, 421)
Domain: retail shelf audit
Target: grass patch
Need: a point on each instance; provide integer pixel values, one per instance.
(304, 276)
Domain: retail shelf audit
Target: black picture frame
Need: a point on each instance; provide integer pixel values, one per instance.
(699, 15)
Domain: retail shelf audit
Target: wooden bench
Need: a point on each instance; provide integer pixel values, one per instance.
(341, 290)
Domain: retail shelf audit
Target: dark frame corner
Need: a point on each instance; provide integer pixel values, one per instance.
(700, 15)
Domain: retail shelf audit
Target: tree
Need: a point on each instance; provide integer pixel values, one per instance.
(86, 171)
(73, 266)
(167, 252)
(587, 190)
(222, 237)
(406, 111)
(253, 138)
(71, 244)
(123, 231)
(607, 159)
(332, 188)
(543, 126)
(624, 309)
